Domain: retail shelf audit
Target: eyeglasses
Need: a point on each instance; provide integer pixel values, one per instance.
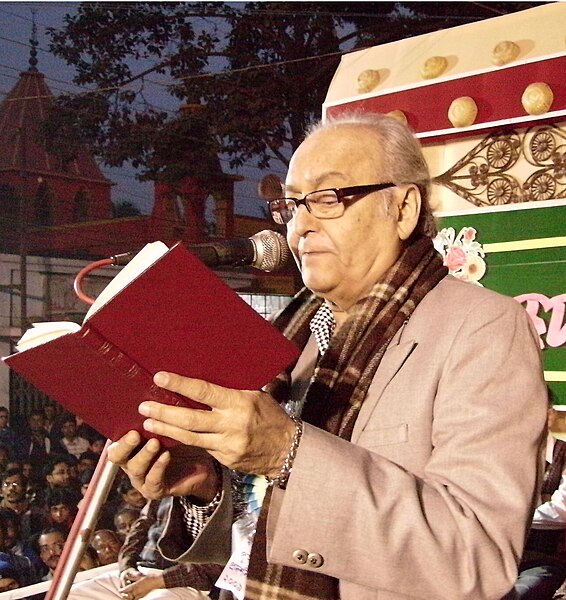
(12, 484)
(322, 204)
(56, 547)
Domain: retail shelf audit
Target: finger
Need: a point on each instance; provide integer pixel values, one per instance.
(202, 391)
(201, 421)
(139, 465)
(119, 452)
(179, 433)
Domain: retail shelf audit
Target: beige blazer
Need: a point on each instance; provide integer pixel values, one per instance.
(433, 497)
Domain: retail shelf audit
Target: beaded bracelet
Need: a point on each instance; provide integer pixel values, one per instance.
(281, 480)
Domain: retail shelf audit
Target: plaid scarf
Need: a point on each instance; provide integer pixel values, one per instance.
(338, 388)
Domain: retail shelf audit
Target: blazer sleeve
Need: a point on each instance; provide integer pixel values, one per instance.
(455, 528)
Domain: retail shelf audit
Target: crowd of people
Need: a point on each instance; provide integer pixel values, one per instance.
(46, 465)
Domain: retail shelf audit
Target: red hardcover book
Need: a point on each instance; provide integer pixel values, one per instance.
(176, 315)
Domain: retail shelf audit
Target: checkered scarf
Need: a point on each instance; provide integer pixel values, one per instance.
(338, 388)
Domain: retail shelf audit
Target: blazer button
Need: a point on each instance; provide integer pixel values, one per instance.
(300, 556)
(315, 560)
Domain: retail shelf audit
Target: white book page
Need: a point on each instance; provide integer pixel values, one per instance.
(40, 333)
(141, 261)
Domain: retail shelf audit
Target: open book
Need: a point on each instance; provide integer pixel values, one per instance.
(39, 333)
(164, 311)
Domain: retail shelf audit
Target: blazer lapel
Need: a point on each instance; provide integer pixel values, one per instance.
(395, 356)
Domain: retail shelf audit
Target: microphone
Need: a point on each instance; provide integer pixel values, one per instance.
(266, 250)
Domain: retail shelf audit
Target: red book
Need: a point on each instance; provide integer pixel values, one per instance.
(176, 315)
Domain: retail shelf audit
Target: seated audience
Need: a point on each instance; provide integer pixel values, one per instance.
(144, 573)
(542, 569)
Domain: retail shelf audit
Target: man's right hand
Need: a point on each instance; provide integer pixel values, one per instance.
(180, 471)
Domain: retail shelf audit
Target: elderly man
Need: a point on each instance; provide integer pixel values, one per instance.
(403, 446)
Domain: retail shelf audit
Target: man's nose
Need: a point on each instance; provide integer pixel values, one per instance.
(303, 221)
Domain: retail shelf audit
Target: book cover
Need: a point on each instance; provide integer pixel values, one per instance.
(176, 316)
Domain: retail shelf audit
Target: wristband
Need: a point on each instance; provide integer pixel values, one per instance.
(281, 480)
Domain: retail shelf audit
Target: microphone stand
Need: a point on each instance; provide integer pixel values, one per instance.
(83, 527)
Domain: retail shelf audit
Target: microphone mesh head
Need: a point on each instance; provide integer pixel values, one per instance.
(271, 250)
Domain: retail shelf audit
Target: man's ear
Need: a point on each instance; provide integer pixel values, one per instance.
(409, 210)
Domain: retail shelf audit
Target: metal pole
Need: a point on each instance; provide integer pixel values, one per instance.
(83, 527)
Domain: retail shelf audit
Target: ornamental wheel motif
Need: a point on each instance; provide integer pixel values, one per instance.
(485, 176)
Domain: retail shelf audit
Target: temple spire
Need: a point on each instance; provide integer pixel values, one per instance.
(34, 43)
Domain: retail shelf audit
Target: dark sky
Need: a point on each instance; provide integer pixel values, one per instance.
(15, 31)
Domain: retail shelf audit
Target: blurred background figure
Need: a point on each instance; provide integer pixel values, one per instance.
(107, 545)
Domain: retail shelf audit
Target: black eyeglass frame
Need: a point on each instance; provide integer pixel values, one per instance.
(341, 193)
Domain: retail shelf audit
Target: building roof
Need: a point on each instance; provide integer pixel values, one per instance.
(21, 139)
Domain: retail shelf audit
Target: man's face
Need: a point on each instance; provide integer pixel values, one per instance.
(69, 429)
(11, 534)
(4, 419)
(341, 259)
(60, 476)
(60, 514)
(36, 422)
(107, 546)
(50, 548)
(13, 488)
(134, 499)
(85, 464)
(124, 522)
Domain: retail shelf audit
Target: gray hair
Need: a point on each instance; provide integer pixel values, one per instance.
(401, 157)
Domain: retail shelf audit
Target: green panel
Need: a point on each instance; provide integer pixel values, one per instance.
(539, 271)
(502, 226)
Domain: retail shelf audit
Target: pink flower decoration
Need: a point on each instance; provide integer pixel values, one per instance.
(455, 258)
(470, 234)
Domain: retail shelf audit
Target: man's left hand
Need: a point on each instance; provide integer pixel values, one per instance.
(245, 430)
(142, 587)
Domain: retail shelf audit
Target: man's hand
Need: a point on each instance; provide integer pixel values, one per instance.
(180, 471)
(142, 587)
(129, 576)
(245, 430)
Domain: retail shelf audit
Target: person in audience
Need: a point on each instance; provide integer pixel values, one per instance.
(22, 563)
(58, 472)
(144, 573)
(130, 497)
(16, 543)
(50, 417)
(97, 444)
(5, 457)
(8, 436)
(34, 443)
(542, 569)
(107, 545)
(50, 544)
(89, 559)
(14, 497)
(62, 508)
(10, 578)
(87, 461)
(123, 521)
(73, 443)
